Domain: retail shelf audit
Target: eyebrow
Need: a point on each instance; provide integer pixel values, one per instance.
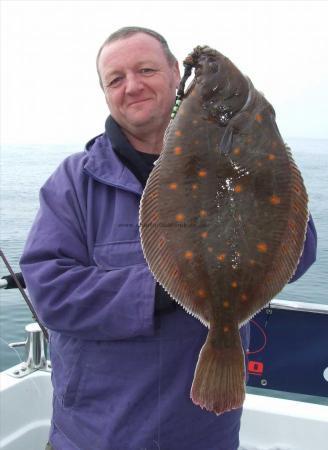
(112, 73)
(118, 72)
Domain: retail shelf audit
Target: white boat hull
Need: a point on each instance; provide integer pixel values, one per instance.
(267, 423)
(25, 411)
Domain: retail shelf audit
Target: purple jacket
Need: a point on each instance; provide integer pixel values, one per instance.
(121, 375)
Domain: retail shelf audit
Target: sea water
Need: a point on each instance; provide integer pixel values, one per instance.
(25, 168)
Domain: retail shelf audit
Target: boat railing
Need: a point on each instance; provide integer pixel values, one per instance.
(317, 308)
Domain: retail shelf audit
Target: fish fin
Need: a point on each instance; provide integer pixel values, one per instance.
(153, 239)
(289, 249)
(160, 257)
(219, 380)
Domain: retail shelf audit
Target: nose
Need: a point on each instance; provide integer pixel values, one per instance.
(133, 84)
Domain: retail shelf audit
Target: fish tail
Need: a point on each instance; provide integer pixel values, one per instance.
(219, 381)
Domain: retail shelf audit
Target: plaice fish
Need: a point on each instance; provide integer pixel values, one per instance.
(223, 217)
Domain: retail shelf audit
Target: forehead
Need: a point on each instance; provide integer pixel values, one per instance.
(130, 51)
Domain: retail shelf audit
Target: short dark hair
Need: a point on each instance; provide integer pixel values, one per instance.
(125, 32)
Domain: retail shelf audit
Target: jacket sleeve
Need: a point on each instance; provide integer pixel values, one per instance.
(309, 253)
(71, 294)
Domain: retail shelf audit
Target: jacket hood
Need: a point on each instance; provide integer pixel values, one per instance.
(103, 164)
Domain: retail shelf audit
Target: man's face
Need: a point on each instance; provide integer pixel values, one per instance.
(139, 83)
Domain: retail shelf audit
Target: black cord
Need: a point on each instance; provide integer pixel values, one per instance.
(186, 75)
(21, 290)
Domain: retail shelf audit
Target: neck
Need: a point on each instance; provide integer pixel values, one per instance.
(146, 142)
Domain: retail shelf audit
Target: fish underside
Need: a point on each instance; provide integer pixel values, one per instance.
(223, 217)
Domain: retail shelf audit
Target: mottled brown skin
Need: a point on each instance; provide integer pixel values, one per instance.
(223, 217)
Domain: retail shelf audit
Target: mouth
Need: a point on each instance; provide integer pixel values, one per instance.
(138, 102)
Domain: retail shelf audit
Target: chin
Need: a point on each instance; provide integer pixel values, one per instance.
(142, 120)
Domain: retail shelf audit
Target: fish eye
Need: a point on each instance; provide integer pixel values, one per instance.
(213, 66)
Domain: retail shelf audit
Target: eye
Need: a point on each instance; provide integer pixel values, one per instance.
(147, 70)
(213, 66)
(115, 81)
(198, 71)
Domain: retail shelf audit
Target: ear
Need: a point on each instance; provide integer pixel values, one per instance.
(176, 71)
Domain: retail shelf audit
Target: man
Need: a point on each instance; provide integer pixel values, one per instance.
(123, 354)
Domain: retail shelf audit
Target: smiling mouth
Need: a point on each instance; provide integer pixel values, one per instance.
(137, 102)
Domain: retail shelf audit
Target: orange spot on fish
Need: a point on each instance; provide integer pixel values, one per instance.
(204, 234)
(221, 257)
(203, 213)
(258, 118)
(271, 157)
(262, 247)
(161, 242)
(252, 262)
(243, 297)
(202, 173)
(189, 255)
(238, 188)
(236, 151)
(210, 249)
(292, 225)
(226, 329)
(234, 284)
(226, 304)
(173, 186)
(178, 133)
(178, 150)
(180, 217)
(194, 187)
(275, 200)
(201, 293)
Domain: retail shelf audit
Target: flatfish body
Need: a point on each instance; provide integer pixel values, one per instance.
(223, 217)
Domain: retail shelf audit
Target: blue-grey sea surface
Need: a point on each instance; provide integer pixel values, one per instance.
(25, 168)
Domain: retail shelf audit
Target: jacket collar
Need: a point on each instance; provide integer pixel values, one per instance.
(104, 166)
(139, 163)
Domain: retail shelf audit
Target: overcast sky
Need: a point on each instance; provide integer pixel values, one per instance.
(49, 87)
